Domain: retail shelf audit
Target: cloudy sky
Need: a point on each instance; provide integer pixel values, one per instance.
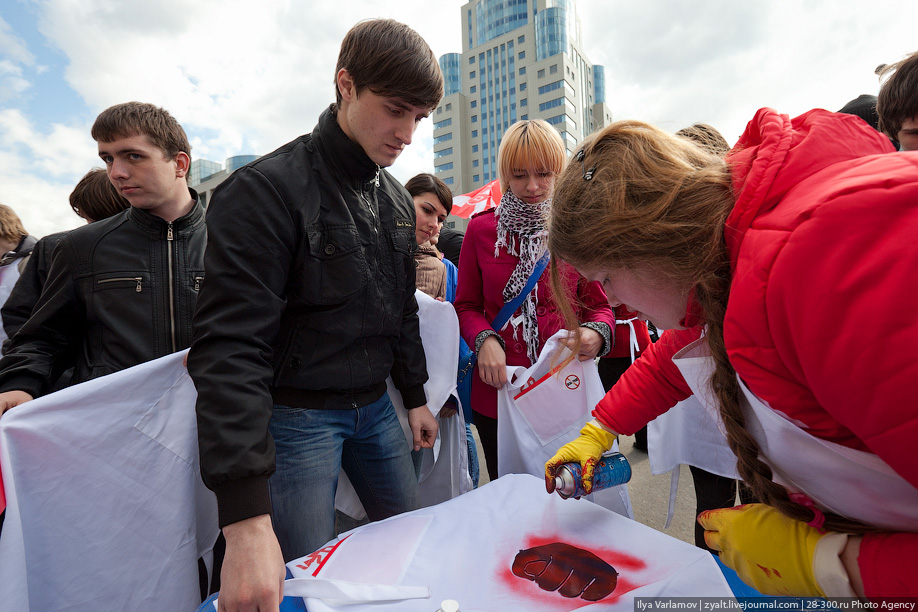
(242, 79)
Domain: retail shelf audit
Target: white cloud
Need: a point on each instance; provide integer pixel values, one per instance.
(718, 61)
(38, 170)
(242, 79)
(14, 54)
(13, 46)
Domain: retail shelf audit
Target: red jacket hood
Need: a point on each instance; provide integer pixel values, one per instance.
(775, 153)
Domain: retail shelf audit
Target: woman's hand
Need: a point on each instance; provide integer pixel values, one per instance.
(492, 363)
(590, 343)
(773, 553)
(586, 450)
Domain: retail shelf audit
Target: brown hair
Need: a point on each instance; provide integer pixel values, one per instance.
(11, 227)
(530, 143)
(657, 199)
(390, 59)
(707, 137)
(138, 118)
(95, 198)
(898, 97)
(428, 183)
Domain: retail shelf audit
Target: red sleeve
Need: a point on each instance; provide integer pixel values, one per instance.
(469, 290)
(888, 563)
(650, 387)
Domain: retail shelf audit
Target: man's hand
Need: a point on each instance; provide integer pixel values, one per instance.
(585, 450)
(424, 427)
(590, 343)
(252, 579)
(13, 398)
(492, 363)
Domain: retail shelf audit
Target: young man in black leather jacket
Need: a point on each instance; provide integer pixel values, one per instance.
(119, 291)
(308, 307)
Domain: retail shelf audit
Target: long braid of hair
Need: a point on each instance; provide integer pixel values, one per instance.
(757, 475)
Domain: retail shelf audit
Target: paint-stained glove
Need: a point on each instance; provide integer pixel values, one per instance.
(585, 450)
(775, 554)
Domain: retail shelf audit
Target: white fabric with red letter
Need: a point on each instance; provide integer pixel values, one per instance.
(465, 550)
(105, 505)
(544, 407)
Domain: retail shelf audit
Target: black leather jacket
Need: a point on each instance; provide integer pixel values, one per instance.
(309, 302)
(119, 292)
(18, 307)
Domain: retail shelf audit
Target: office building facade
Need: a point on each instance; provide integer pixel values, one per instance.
(205, 175)
(521, 59)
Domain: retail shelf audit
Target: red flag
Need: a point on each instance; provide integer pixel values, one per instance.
(481, 199)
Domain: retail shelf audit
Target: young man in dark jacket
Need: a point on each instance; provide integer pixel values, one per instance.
(119, 291)
(308, 307)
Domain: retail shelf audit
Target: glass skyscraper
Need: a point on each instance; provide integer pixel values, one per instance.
(521, 59)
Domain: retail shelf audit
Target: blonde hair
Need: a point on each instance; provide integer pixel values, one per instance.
(533, 143)
(11, 228)
(660, 200)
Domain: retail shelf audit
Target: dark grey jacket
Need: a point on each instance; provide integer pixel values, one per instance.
(309, 302)
(119, 292)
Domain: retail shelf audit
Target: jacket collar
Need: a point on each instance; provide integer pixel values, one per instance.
(157, 226)
(23, 249)
(346, 157)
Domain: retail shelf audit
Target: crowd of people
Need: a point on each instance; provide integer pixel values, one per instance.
(779, 270)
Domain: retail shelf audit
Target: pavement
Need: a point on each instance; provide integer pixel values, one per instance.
(649, 493)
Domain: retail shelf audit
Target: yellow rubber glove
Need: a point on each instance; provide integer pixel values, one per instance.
(768, 550)
(585, 450)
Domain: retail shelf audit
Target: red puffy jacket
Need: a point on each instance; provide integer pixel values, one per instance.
(821, 319)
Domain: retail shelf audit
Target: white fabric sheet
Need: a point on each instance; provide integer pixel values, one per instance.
(541, 409)
(464, 549)
(105, 505)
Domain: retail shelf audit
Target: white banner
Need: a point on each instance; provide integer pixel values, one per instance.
(105, 505)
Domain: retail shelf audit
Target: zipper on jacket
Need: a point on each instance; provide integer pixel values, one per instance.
(197, 282)
(169, 243)
(136, 279)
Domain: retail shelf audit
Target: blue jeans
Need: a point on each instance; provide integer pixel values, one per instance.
(312, 448)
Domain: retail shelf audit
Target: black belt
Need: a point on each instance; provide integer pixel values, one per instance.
(324, 399)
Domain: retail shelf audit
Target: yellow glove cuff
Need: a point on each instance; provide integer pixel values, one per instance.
(598, 432)
(830, 573)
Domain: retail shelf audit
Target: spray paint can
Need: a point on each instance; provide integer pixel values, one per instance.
(611, 470)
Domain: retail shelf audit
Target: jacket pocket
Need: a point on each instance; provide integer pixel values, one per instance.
(334, 269)
(122, 316)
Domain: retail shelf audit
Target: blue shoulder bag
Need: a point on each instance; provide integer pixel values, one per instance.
(468, 359)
